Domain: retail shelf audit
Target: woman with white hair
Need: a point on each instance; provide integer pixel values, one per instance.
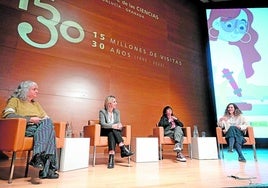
(22, 104)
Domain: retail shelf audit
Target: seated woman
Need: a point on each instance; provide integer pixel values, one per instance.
(22, 104)
(111, 126)
(234, 127)
(173, 129)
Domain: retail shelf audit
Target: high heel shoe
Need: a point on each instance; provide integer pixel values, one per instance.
(111, 161)
(125, 152)
(242, 159)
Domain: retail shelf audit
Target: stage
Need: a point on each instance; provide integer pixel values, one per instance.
(166, 173)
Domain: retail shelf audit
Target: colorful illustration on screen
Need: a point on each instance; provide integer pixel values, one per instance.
(238, 59)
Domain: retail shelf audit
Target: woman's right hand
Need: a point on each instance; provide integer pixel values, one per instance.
(223, 118)
(117, 126)
(222, 121)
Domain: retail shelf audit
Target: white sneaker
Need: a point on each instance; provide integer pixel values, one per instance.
(180, 157)
(177, 147)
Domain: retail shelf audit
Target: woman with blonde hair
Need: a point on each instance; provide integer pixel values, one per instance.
(111, 126)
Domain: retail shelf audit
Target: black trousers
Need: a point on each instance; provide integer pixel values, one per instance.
(114, 137)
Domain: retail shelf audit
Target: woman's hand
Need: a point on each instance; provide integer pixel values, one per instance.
(117, 126)
(173, 117)
(35, 120)
(223, 118)
(46, 117)
(222, 121)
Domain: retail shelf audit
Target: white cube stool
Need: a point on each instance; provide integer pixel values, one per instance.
(204, 148)
(75, 154)
(145, 148)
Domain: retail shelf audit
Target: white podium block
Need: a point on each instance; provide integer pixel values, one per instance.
(204, 148)
(145, 148)
(75, 154)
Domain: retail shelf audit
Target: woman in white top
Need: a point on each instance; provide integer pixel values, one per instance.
(234, 127)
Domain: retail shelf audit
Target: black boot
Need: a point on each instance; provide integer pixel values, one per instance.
(50, 168)
(238, 148)
(111, 161)
(125, 152)
(37, 161)
(51, 174)
(53, 167)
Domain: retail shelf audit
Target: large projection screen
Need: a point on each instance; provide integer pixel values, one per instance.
(238, 41)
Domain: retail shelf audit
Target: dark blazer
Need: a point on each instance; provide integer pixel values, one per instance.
(167, 125)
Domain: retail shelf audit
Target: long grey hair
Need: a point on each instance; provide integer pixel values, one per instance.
(22, 91)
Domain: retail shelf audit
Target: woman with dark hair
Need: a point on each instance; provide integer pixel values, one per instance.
(234, 127)
(173, 129)
(111, 126)
(22, 104)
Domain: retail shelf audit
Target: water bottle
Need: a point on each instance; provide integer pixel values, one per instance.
(68, 130)
(195, 132)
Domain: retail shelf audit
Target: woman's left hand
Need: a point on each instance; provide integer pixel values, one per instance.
(35, 120)
(173, 117)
